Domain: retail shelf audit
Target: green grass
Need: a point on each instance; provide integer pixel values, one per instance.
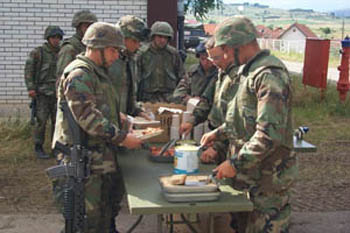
(327, 118)
(334, 59)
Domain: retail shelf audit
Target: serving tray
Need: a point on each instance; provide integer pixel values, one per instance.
(202, 186)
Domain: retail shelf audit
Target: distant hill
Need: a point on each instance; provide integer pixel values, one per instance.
(342, 13)
(282, 18)
(302, 10)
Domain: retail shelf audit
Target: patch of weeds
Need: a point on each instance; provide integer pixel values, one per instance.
(12, 129)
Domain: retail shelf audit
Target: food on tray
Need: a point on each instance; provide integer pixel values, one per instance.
(148, 132)
(156, 150)
(178, 179)
(143, 121)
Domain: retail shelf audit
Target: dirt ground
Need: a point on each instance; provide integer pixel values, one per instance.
(320, 198)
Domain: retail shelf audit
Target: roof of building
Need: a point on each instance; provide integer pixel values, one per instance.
(277, 32)
(263, 31)
(302, 28)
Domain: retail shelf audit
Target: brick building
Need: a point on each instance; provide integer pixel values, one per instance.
(22, 23)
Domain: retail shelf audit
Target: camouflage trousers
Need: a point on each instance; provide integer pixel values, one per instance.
(104, 191)
(46, 108)
(103, 194)
(271, 214)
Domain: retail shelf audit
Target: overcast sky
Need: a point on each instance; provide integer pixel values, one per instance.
(317, 5)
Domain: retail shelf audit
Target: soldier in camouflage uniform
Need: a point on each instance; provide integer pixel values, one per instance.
(258, 125)
(215, 110)
(88, 91)
(123, 70)
(73, 46)
(199, 77)
(40, 79)
(159, 65)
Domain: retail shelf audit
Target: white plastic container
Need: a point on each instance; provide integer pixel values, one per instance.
(175, 122)
(174, 133)
(186, 159)
(198, 132)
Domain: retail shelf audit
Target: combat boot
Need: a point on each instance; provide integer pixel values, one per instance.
(40, 153)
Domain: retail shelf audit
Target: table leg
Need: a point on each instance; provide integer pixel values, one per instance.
(159, 223)
(211, 223)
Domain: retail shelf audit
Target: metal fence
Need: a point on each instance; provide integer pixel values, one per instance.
(284, 46)
(297, 46)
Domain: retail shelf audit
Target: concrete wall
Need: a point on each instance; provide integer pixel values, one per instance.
(22, 23)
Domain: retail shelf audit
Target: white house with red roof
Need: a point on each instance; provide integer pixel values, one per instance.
(297, 31)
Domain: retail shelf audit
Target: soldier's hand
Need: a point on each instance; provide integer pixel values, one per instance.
(144, 115)
(225, 170)
(123, 117)
(185, 128)
(32, 93)
(208, 138)
(132, 142)
(209, 155)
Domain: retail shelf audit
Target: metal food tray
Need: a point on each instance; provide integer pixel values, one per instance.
(191, 197)
(186, 189)
(147, 136)
(141, 123)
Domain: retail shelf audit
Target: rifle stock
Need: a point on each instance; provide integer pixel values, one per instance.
(77, 171)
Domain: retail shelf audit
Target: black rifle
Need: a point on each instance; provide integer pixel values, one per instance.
(33, 103)
(77, 171)
(33, 109)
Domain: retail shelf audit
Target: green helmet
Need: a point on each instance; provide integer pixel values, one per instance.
(53, 31)
(235, 31)
(102, 35)
(84, 16)
(162, 28)
(133, 27)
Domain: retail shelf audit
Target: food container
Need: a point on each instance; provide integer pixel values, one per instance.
(204, 185)
(189, 193)
(186, 160)
(191, 197)
(165, 118)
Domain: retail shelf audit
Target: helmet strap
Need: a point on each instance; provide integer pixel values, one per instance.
(102, 54)
(236, 55)
(79, 31)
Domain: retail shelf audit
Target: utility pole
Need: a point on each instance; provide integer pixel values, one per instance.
(180, 23)
(342, 29)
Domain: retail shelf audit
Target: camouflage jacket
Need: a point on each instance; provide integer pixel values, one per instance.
(213, 105)
(94, 104)
(40, 70)
(123, 76)
(193, 84)
(160, 70)
(70, 48)
(225, 89)
(259, 126)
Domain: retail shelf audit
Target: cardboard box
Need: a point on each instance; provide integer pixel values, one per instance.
(165, 118)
